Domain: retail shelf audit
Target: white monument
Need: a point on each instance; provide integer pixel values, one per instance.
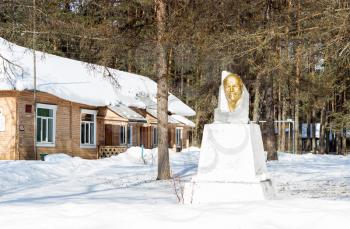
(232, 163)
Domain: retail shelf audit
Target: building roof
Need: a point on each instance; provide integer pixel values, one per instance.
(183, 120)
(78, 81)
(173, 119)
(149, 102)
(153, 112)
(127, 113)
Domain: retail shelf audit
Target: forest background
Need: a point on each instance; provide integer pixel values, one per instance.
(293, 55)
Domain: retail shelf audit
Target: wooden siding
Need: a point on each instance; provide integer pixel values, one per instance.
(150, 119)
(185, 136)
(109, 127)
(8, 136)
(17, 142)
(136, 134)
(112, 116)
(68, 117)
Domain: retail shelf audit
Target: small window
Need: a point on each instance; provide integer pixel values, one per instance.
(122, 135)
(178, 137)
(45, 124)
(155, 136)
(88, 128)
(28, 108)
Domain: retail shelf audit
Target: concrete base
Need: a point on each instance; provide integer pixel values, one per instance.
(231, 167)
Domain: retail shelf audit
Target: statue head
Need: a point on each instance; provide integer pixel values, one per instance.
(233, 87)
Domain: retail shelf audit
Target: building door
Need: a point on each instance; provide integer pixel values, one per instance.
(145, 137)
(141, 136)
(108, 135)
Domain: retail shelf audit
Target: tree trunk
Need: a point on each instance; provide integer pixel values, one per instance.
(344, 148)
(196, 107)
(338, 138)
(297, 85)
(187, 89)
(130, 61)
(182, 78)
(323, 131)
(297, 103)
(162, 97)
(284, 117)
(257, 96)
(313, 131)
(327, 136)
(279, 117)
(308, 131)
(270, 125)
(170, 62)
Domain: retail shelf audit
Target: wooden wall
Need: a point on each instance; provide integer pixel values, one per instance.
(17, 141)
(67, 127)
(172, 136)
(136, 134)
(8, 135)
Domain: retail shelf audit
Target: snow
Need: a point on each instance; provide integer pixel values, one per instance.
(121, 192)
(127, 113)
(312, 176)
(78, 81)
(183, 120)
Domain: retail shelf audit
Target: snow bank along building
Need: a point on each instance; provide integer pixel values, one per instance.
(81, 109)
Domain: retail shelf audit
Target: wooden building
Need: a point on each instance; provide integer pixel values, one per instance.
(80, 109)
(76, 129)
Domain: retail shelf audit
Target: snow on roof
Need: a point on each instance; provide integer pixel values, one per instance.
(183, 120)
(153, 112)
(127, 113)
(149, 103)
(78, 81)
(174, 119)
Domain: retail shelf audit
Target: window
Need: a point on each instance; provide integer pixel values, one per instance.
(129, 136)
(155, 136)
(2, 120)
(28, 108)
(178, 136)
(122, 135)
(88, 128)
(45, 124)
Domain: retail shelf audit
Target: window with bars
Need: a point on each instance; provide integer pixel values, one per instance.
(45, 124)
(178, 136)
(129, 135)
(122, 135)
(88, 128)
(155, 136)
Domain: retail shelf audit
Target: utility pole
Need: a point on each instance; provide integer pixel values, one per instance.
(34, 77)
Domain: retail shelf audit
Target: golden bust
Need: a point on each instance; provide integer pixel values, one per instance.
(233, 88)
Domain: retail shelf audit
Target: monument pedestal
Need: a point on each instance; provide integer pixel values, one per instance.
(231, 166)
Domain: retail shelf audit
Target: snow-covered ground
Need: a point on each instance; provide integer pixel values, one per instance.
(121, 192)
(312, 176)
